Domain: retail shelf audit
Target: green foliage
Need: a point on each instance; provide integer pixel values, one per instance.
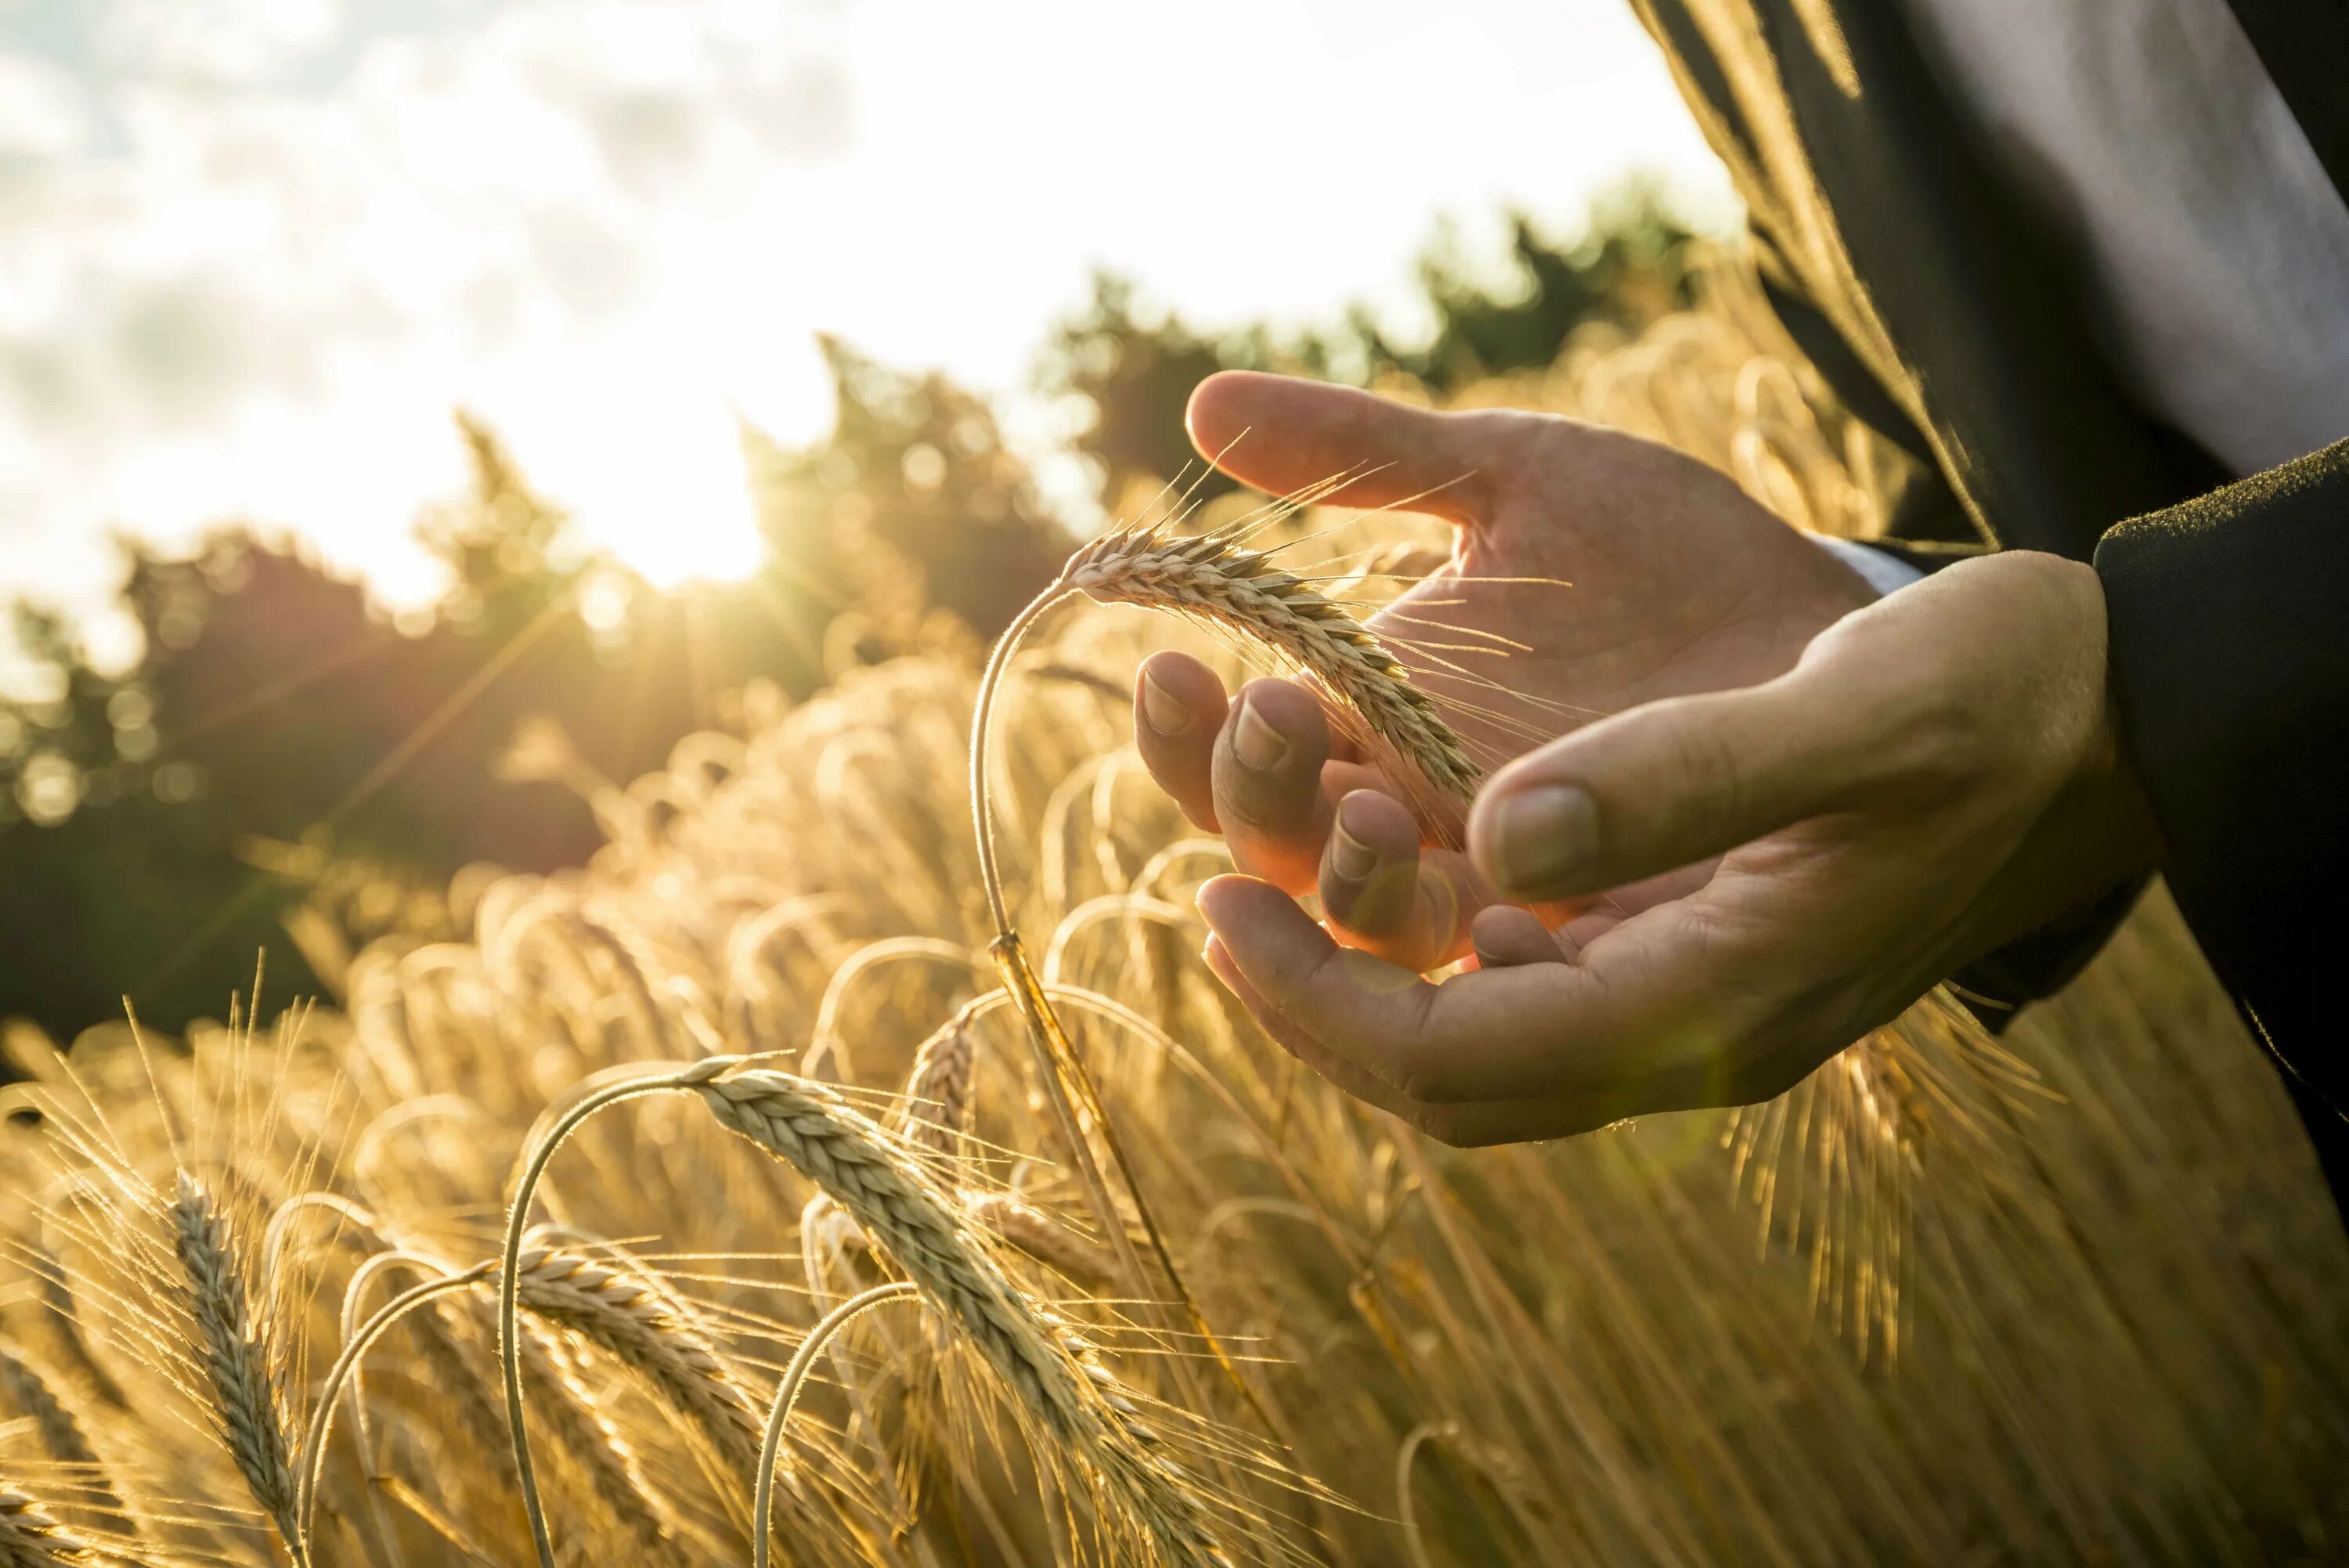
(913, 503)
(1132, 369)
(162, 827)
(1628, 268)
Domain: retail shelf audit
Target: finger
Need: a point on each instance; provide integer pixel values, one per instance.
(1361, 1085)
(1382, 894)
(1655, 1026)
(1181, 705)
(1267, 771)
(1505, 935)
(1282, 434)
(1672, 782)
(1467, 1126)
(1586, 928)
(1377, 1016)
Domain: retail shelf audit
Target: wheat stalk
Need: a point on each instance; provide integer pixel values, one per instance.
(1212, 575)
(245, 1395)
(787, 1395)
(31, 1538)
(906, 1215)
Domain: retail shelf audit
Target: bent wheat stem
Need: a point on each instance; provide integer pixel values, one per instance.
(314, 1449)
(1058, 1066)
(911, 1219)
(788, 1394)
(600, 1090)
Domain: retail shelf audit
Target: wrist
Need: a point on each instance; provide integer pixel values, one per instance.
(2137, 839)
(2108, 802)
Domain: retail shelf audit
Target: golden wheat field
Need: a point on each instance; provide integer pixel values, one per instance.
(820, 1240)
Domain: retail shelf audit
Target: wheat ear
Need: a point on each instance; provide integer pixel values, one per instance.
(1041, 1237)
(641, 1326)
(594, 1444)
(243, 1394)
(30, 1537)
(1213, 576)
(1049, 1369)
(906, 1214)
(627, 1082)
(35, 1399)
(65, 1322)
(477, 1415)
(937, 1090)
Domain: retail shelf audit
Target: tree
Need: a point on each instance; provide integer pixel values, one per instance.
(1130, 371)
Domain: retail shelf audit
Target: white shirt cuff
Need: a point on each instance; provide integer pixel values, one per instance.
(1880, 569)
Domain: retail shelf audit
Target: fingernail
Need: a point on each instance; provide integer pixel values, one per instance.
(1254, 742)
(1542, 833)
(1349, 856)
(1161, 710)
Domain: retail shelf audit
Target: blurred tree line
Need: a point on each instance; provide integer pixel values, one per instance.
(289, 770)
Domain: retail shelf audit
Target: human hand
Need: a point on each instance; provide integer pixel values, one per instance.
(1938, 774)
(1680, 583)
(1763, 873)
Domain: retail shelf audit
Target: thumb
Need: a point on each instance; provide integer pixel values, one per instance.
(1282, 434)
(1673, 782)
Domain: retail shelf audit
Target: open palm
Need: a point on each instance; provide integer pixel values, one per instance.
(1768, 809)
(1614, 571)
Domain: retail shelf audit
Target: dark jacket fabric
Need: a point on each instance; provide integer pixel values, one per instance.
(1950, 317)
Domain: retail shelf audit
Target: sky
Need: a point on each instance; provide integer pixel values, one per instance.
(253, 253)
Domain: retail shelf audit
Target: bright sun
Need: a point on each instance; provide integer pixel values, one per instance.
(639, 437)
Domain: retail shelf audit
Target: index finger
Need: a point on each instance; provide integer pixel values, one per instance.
(1284, 435)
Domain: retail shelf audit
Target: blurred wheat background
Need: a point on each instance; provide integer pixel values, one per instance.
(2074, 1295)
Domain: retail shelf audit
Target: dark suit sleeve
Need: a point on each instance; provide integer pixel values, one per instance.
(2230, 651)
(1929, 530)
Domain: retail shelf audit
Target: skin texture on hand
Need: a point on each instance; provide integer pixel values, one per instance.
(1775, 812)
(1680, 584)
